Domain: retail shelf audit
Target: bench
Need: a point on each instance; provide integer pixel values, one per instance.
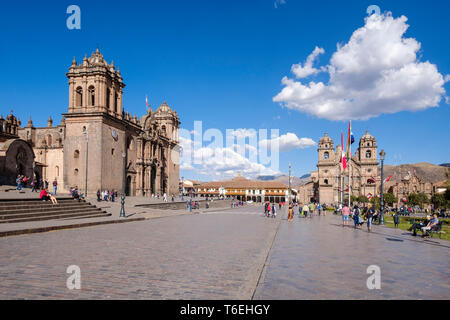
(436, 230)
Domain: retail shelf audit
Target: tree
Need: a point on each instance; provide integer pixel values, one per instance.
(417, 199)
(363, 199)
(389, 198)
(412, 199)
(439, 201)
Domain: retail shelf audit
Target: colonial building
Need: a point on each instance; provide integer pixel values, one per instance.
(409, 183)
(328, 182)
(16, 155)
(244, 189)
(96, 137)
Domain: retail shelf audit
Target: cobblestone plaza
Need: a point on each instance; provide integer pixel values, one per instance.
(224, 254)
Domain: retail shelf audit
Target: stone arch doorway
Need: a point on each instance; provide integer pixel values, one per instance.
(128, 187)
(18, 159)
(152, 179)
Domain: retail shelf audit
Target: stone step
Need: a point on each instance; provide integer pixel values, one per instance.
(93, 214)
(47, 213)
(6, 203)
(42, 208)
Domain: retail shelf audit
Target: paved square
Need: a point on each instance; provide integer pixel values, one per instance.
(224, 254)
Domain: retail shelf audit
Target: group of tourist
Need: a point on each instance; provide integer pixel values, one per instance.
(429, 224)
(312, 209)
(76, 193)
(106, 195)
(22, 181)
(367, 215)
(269, 210)
(46, 196)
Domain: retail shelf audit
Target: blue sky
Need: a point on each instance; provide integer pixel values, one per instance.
(221, 62)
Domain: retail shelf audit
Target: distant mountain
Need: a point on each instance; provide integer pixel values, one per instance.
(445, 165)
(284, 178)
(427, 172)
(266, 178)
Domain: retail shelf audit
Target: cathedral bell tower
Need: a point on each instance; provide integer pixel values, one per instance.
(95, 86)
(326, 169)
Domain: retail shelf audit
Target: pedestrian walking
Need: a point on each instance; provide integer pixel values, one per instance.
(305, 210)
(345, 213)
(369, 217)
(55, 186)
(312, 208)
(99, 194)
(274, 213)
(19, 183)
(34, 185)
(290, 213)
(356, 217)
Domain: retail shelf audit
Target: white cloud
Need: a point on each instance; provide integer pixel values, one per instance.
(307, 69)
(376, 72)
(278, 3)
(226, 162)
(288, 142)
(243, 133)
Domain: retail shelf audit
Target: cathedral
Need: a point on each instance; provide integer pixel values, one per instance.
(329, 180)
(96, 139)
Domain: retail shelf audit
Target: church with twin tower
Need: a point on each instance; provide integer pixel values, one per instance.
(96, 132)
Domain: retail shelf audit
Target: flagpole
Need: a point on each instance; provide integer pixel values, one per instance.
(350, 174)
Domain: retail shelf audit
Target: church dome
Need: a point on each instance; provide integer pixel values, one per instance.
(368, 136)
(164, 108)
(325, 139)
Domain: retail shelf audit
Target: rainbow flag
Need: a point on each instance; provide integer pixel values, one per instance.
(350, 139)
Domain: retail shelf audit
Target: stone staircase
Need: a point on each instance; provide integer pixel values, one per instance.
(26, 210)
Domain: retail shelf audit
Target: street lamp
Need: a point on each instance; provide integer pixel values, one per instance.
(87, 154)
(122, 208)
(182, 188)
(289, 194)
(382, 157)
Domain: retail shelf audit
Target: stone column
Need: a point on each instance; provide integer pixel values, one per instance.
(158, 181)
(85, 94)
(71, 95)
(119, 100)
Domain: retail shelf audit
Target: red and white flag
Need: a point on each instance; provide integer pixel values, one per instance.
(343, 159)
(146, 101)
(387, 179)
(369, 196)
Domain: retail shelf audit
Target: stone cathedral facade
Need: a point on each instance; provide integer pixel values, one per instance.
(88, 147)
(328, 181)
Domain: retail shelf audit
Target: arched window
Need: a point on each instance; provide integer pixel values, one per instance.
(163, 129)
(57, 171)
(91, 90)
(76, 154)
(368, 154)
(49, 140)
(75, 172)
(79, 97)
(325, 181)
(326, 155)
